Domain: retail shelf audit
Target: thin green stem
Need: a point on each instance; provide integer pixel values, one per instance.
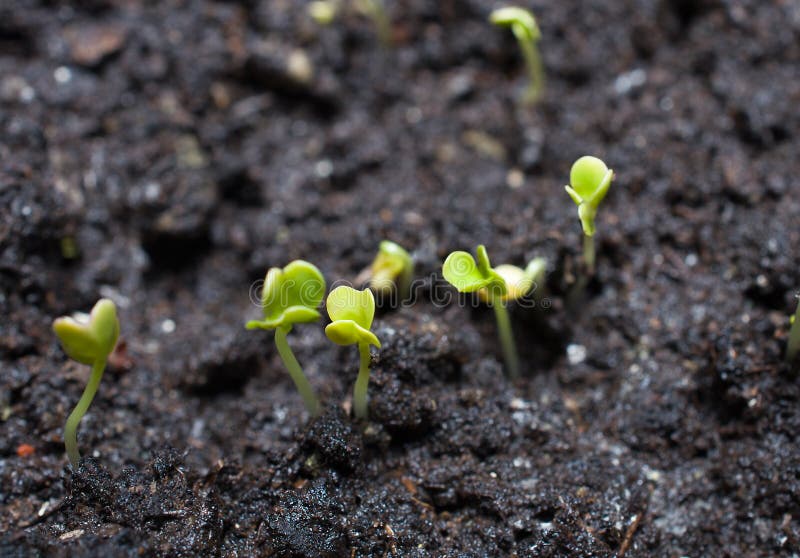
(793, 348)
(296, 373)
(506, 339)
(588, 253)
(377, 11)
(535, 70)
(71, 427)
(404, 283)
(360, 389)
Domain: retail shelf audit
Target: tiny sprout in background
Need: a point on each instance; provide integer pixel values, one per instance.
(88, 340)
(793, 348)
(291, 296)
(496, 287)
(589, 179)
(323, 11)
(392, 267)
(375, 10)
(525, 29)
(351, 313)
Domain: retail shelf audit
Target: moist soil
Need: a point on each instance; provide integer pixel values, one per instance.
(165, 154)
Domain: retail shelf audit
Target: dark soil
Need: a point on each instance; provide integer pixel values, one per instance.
(165, 154)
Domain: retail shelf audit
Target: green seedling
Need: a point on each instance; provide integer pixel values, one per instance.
(589, 180)
(291, 296)
(793, 348)
(323, 11)
(392, 266)
(88, 340)
(525, 29)
(375, 10)
(351, 313)
(495, 286)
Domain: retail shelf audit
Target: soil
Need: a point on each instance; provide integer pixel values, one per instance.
(165, 154)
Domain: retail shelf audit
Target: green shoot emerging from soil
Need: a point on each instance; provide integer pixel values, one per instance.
(793, 348)
(351, 313)
(291, 296)
(589, 179)
(392, 266)
(375, 10)
(88, 340)
(496, 287)
(525, 29)
(323, 11)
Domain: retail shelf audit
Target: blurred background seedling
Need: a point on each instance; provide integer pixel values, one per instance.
(793, 346)
(524, 27)
(325, 12)
(392, 270)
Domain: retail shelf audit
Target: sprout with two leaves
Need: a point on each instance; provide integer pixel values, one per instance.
(291, 296)
(392, 267)
(495, 286)
(88, 340)
(525, 29)
(590, 180)
(351, 313)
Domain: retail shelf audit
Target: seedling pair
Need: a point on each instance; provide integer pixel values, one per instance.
(525, 29)
(292, 295)
(495, 286)
(88, 340)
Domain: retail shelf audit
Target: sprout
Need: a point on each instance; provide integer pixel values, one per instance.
(496, 287)
(351, 313)
(291, 296)
(793, 348)
(392, 266)
(589, 179)
(323, 11)
(375, 10)
(88, 340)
(525, 29)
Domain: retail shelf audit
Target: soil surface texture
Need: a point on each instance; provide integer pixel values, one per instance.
(166, 154)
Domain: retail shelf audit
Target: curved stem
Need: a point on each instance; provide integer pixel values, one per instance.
(588, 253)
(506, 339)
(535, 70)
(793, 348)
(71, 427)
(360, 389)
(296, 373)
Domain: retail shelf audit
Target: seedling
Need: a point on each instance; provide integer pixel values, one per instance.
(375, 10)
(392, 266)
(323, 11)
(525, 29)
(496, 287)
(88, 340)
(351, 313)
(793, 348)
(589, 180)
(291, 296)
